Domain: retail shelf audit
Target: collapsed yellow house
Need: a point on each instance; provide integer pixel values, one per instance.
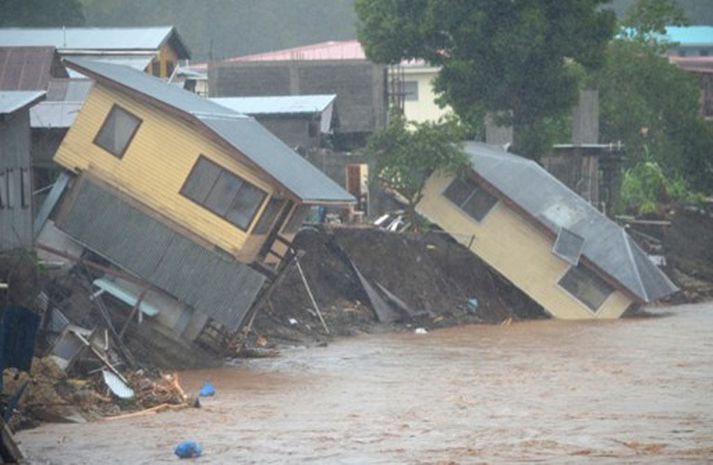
(543, 237)
(188, 196)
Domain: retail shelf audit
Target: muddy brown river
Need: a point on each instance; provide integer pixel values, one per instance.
(626, 391)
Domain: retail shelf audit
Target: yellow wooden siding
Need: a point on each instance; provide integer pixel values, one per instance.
(517, 249)
(155, 165)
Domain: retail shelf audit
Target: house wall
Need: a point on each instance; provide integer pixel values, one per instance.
(515, 248)
(424, 108)
(15, 219)
(156, 165)
(167, 55)
(292, 130)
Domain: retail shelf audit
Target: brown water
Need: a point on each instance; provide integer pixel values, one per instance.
(626, 391)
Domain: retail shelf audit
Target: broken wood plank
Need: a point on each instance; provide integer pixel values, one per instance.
(101, 357)
(311, 296)
(9, 452)
(149, 411)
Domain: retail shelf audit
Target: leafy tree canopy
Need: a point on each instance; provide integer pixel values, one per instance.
(508, 58)
(406, 153)
(41, 13)
(652, 106)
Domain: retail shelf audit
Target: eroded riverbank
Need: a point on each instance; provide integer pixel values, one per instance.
(624, 391)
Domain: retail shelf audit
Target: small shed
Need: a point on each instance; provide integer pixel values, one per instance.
(15, 164)
(298, 120)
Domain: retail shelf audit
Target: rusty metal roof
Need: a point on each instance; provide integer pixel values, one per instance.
(29, 68)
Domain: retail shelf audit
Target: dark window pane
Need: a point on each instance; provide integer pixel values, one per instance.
(568, 246)
(201, 180)
(298, 217)
(268, 216)
(117, 131)
(156, 68)
(586, 286)
(411, 91)
(479, 204)
(243, 210)
(459, 190)
(223, 193)
(170, 66)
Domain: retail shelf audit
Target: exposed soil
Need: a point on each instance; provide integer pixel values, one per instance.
(433, 275)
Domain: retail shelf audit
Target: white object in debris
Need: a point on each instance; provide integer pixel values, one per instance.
(381, 219)
(292, 321)
(420, 331)
(117, 386)
(658, 260)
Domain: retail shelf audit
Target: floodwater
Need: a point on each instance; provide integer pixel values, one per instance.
(626, 391)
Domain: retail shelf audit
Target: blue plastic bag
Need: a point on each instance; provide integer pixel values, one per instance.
(188, 450)
(207, 390)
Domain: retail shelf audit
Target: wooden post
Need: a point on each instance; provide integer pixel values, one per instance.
(309, 291)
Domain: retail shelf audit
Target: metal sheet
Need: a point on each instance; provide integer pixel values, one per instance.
(11, 101)
(28, 68)
(280, 105)
(117, 386)
(222, 288)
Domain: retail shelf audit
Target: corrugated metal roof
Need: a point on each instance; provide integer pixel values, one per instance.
(13, 100)
(332, 50)
(220, 287)
(241, 132)
(28, 68)
(138, 62)
(288, 104)
(50, 115)
(88, 38)
(69, 90)
(690, 35)
(553, 204)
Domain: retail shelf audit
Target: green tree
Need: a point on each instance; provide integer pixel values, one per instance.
(41, 13)
(509, 58)
(653, 107)
(645, 17)
(405, 154)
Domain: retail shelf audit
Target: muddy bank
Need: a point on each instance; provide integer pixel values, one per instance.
(633, 391)
(434, 276)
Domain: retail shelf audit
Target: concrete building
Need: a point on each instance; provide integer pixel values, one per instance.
(541, 236)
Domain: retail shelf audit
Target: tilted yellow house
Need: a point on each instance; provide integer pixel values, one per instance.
(188, 197)
(217, 174)
(543, 237)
